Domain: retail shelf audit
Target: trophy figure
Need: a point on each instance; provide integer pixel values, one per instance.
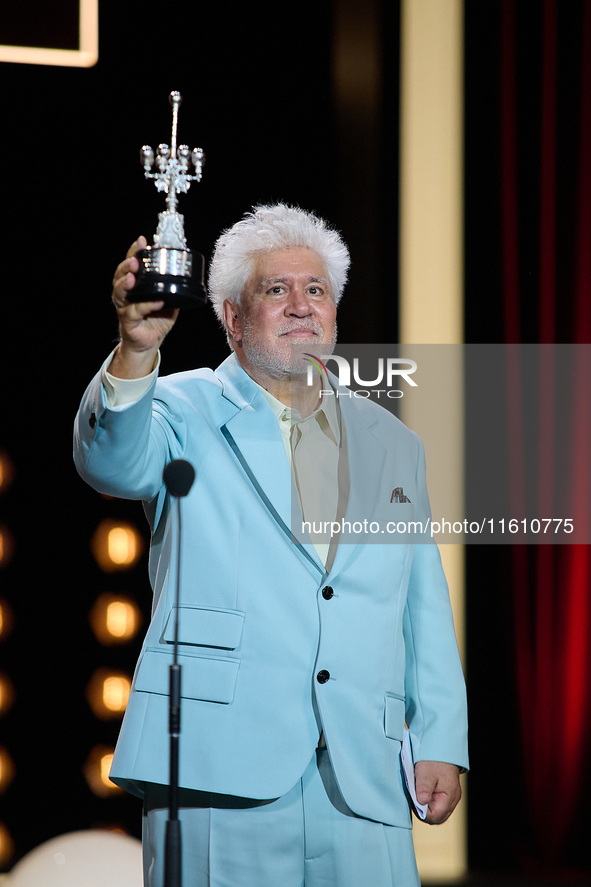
(166, 268)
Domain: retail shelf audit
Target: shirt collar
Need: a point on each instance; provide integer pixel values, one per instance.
(328, 406)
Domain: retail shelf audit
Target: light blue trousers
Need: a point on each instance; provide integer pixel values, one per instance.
(308, 837)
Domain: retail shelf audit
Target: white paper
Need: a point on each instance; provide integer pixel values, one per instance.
(408, 768)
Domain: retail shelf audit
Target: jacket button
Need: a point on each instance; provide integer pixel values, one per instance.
(92, 420)
(323, 676)
(327, 593)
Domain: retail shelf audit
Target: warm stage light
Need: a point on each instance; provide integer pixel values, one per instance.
(96, 772)
(6, 846)
(6, 619)
(116, 693)
(116, 545)
(6, 546)
(107, 693)
(6, 471)
(6, 769)
(115, 619)
(7, 693)
(121, 546)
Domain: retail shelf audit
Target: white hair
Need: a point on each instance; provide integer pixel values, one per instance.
(265, 229)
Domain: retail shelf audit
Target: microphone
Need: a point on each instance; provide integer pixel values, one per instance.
(178, 476)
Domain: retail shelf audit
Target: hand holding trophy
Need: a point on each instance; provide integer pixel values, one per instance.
(166, 268)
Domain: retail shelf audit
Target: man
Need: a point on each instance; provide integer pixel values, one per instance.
(300, 661)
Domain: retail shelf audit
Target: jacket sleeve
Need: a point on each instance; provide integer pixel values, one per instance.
(436, 708)
(123, 450)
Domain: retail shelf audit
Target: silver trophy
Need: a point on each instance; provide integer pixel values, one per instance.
(168, 269)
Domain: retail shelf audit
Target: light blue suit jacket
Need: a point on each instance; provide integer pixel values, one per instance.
(255, 629)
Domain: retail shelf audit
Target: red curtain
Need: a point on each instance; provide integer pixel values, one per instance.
(552, 584)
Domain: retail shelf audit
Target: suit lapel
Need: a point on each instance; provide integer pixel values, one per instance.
(250, 429)
(367, 458)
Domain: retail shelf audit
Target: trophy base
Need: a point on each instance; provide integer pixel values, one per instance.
(166, 274)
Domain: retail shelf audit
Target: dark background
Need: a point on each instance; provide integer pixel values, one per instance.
(258, 97)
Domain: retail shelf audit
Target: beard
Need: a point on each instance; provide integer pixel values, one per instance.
(284, 359)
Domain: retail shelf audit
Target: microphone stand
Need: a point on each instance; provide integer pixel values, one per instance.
(172, 852)
(178, 477)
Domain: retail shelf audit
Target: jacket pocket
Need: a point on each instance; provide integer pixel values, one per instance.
(394, 713)
(206, 627)
(207, 678)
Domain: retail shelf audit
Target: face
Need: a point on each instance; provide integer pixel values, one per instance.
(287, 300)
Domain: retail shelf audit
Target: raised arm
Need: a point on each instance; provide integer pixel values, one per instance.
(121, 449)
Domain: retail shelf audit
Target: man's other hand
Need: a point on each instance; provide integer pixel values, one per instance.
(438, 785)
